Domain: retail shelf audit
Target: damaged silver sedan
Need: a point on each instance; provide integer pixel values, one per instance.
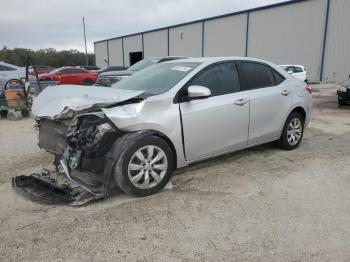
(134, 134)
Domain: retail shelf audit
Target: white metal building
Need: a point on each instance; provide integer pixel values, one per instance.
(314, 33)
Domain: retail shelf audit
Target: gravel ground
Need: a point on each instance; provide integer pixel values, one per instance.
(261, 204)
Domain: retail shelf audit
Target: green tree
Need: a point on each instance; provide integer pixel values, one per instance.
(49, 57)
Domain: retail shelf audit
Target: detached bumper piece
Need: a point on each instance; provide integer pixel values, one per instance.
(45, 189)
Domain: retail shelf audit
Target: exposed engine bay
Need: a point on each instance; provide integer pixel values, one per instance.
(79, 145)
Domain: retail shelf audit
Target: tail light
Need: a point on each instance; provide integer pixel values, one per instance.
(308, 88)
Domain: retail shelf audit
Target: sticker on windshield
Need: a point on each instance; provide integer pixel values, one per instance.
(181, 68)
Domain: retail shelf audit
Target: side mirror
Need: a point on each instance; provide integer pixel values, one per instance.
(290, 72)
(198, 92)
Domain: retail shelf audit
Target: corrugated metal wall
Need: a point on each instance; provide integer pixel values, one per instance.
(132, 44)
(291, 33)
(156, 44)
(337, 55)
(101, 53)
(115, 52)
(186, 40)
(225, 36)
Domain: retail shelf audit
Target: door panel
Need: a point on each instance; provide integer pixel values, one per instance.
(268, 109)
(65, 79)
(214, 125)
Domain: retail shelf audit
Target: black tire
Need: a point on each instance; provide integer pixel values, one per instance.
(341, 102)
(88, 82)
(283, 141)
(127, 147)
(25, 113)
(3, 113)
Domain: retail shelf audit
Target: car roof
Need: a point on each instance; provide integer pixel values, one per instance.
(70, 67)
(294, 65)
(7, 64)
(218, 59)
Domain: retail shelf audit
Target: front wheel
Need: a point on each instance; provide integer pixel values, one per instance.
(144, 166)
(88, 82)
(293, 132)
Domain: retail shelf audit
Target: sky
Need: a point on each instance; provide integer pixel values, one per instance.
(39, 24)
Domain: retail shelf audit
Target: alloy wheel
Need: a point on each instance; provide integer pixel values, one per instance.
(294, 131)
(147, 167)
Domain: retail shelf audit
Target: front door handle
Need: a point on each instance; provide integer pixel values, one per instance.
(285, 92)
(241, 102)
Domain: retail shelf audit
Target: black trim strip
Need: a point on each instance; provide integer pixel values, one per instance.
(182, 133)
(108, 52)
(324, 40)
(247, 35)
(203, 32)
(123, 51)
(143, 47)
(168, 42)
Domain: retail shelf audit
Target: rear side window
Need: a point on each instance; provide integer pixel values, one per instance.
(6, 68)
(298, 69)
(76, 71)
(65, 71)
(255, 75)
(221, 79)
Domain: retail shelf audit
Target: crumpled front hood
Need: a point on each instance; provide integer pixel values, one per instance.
(61, 101)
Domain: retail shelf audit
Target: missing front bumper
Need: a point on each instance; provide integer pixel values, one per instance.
(45, 189)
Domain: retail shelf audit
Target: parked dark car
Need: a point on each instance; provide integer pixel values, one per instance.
(344, 92)
(110, 68)
(112, 77)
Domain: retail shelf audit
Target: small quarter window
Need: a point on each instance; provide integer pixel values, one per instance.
(278, 77)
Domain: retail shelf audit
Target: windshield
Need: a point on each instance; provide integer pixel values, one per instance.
(157, 79)
(143, 64)
(55, 71)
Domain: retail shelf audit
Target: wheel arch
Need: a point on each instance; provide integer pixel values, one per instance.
(296, 108)
(299, 110)
(166, 139)
(170, 143)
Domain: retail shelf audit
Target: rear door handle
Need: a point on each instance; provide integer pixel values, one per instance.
(241, 102)
(285, 92)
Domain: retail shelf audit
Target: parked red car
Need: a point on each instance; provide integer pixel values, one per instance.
(40, 69)
(70, 75)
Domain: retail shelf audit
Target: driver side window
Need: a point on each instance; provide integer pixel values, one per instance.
(221, 79)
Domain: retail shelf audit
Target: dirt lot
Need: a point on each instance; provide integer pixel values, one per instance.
(261, 204)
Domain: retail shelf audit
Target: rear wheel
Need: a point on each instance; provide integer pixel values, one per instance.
(341, 102)
(144, 166)
(3, 113)
(293, 132)
(88, 82)
(25, 113)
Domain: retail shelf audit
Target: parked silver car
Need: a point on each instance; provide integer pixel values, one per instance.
(169, 116)
(9, 72)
